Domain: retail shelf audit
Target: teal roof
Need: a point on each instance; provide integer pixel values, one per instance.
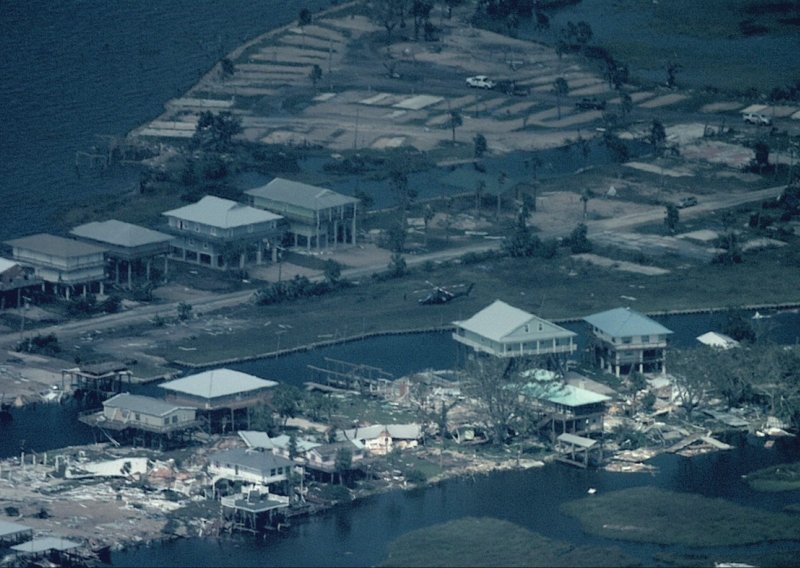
(625, 322)
(301, 195)
(566, 395)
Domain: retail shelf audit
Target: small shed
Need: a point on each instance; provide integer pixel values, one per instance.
(571, 448)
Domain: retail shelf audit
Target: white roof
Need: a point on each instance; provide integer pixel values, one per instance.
(222, 213)
(44, 544)
(5, 264)
(217, 383)
(395, 431)
(714, 339)
(261, 441)
(499, 320)
(143, 404)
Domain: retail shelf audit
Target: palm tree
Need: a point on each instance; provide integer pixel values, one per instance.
(561, 89)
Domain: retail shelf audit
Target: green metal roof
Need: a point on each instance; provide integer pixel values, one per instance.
(564, 394)
(625, 322)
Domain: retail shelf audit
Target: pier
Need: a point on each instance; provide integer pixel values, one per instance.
(363, 379)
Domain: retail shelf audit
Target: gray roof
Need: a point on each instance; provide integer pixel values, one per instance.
(119, 233)
(499, 321)
(45, 243)
(217, 383)
(625, 322)
(261, 461)
(143, 404)
(46, 543)
(222, 213)
(301, 194)
(8, 528)
(577, 440)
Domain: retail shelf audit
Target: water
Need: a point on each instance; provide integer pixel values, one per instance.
(359, 534)
(72, 70)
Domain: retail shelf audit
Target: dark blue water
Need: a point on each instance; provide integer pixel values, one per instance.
(72, 70)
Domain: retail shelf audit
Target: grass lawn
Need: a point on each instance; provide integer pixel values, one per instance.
(646, 514)
(781, 477)
(491, 542)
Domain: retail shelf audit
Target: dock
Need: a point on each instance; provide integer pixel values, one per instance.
(345, 376)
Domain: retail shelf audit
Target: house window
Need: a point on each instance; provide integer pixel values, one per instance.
(174, 419)
(645, 339)
(138, 418)
(626, 340)
(166, 421)
(272, 472)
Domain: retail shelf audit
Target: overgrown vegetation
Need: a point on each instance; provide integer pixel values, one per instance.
(781, 477)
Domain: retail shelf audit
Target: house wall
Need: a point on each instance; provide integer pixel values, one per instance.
(514, 348)
(248, 474)
(64, 270)
(178, 416)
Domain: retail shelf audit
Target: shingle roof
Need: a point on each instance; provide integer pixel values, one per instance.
(301, 194)
(143, 404)
(45, 243)
(625, 322)
(261, 461)
(119, 233)
(498, 320)
(217, 383)
(222, 213)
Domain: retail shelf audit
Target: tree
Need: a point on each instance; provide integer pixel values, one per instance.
(287, 400)
(521, 243)
(454, 122)
(304, 17)
(658, 135)
(387, 13)
(692, 372)
(427, 217)
(292, 447)
(184, 311)
(498, 395)
(333, 273)
(637, 382)
(343, 462)
(216, 131)
(672, 69)
(626, 105)
(561, 89)
(586, 195)
(672, 218)
(315, 75)
(480, 145)
(761, 150)
(396, 237)
(226, 68)
(420, 11)
(397, 265)
(616, 147)
(480, 187)
(738, 328)
(578, 241)
(262, 419)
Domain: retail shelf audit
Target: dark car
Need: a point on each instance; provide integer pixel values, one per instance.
(590, 104)
(687, 202)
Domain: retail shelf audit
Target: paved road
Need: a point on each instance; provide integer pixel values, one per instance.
(213, 302)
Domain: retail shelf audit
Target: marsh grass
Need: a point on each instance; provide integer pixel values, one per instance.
(781, 477)
(647, 514)
(492, 542)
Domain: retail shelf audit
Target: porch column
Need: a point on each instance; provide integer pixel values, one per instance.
(130, 271)
(274, 254)
(116, 271)
(166, 257)
(84, 291)
(258, 253)
(335, 233)
(66, 292)
(353, 234)
(241, 260)
(101, 287)
(147, 269)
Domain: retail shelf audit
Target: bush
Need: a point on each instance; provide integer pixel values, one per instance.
(416, 476)
(43, 344)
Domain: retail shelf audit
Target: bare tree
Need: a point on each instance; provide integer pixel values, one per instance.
(693, 372)
(497, 393)
(561, 89)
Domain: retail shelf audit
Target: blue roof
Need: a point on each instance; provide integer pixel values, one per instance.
(625, 322)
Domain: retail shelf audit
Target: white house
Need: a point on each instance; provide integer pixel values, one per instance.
(249, 466)
(381, 439)
(502, 330)
(213, 230)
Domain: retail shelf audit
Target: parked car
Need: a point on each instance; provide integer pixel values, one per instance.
(687, 202)
(590, 104)
(511, 88)
(756, 118)
(480, 82)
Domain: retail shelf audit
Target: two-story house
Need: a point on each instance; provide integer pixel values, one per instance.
(381, 439)
(220, 233)
(502, 330)
(317, 216)
(62, 263)
(623, 340)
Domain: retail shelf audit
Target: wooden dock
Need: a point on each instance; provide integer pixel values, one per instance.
(344, 376)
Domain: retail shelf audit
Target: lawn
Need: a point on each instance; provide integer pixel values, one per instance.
(781, 477)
